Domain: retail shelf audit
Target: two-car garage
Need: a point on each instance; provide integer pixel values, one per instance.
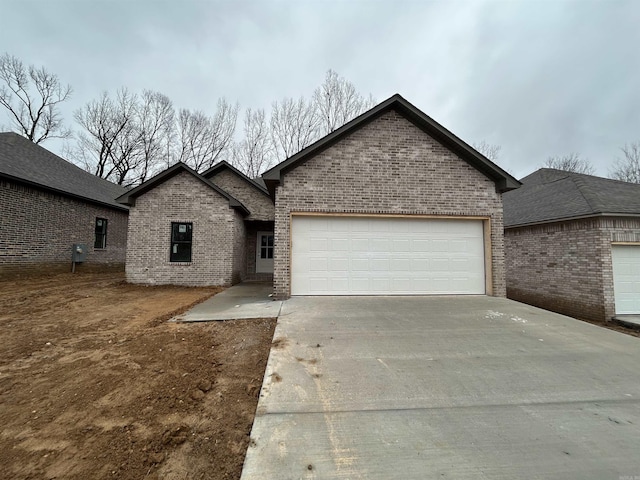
(387, 255)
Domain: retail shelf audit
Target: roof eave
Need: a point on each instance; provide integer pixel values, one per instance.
(63, 193)
(574, 217)
(129, 198)
(503, 180)
(223, 164)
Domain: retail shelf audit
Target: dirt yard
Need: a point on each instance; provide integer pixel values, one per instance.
(95, 384)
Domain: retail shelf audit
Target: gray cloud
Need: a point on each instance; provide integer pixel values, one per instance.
(539, 78)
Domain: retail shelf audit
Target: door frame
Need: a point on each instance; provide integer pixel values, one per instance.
(259, 261)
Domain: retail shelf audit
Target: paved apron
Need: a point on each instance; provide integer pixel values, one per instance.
(444, 387)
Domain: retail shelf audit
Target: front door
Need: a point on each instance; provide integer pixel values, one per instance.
(264, 252)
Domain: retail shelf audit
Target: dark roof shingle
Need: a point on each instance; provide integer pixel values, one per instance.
(549, 195)
(24, 161)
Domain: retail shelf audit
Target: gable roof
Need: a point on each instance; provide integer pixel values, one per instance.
(504, 182)
(25, 162)
(129, 198)
(224, 165)
(551, 195)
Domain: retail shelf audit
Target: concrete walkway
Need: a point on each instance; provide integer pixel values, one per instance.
(444, 387)
(245, 300)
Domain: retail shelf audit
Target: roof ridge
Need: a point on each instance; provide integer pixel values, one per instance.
(584, 190)
(233, 169)
(128, 198)
(503, 180)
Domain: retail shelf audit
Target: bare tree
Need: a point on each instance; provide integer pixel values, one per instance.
(570, 163)
(627, 169)
(31, 96)
(491, 151)
(202, 139)
(294, 126)
(254, 154)
(156, 121)
(110, 145)
(337, 101)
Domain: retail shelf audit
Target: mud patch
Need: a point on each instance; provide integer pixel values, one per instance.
(95, 384)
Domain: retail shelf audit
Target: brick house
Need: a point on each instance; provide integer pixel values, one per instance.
(188, 229)
(47, 205)
(390, 203)
(572, 244)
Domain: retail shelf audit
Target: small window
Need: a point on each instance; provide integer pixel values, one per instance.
(181, 234)
(266, 246)
(101, 233)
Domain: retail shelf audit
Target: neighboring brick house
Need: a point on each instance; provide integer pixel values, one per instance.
(390, 203)
(47, 204)
(572, 244)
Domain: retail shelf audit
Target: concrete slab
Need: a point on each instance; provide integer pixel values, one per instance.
(245, 300)
(629, 321)
(444, 387)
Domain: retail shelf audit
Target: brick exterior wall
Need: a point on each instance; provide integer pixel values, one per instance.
(566, 266)
(218, 235)
(38, 228)
(258, 203)
(260, 220)
(239, 250)
(388, 166)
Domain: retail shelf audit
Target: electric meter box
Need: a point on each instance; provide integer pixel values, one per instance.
(79, 252)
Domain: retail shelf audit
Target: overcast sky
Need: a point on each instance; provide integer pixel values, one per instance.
(539, 78)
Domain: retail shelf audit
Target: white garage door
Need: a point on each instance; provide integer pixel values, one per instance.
(626, 278)
(386, 256)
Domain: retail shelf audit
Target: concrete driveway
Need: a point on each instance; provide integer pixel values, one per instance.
(444, 387)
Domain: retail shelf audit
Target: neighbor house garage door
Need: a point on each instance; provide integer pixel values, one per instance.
(626, 278)
(341, 255)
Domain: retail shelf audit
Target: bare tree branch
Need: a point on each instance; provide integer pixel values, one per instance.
(254, 154)
(294, 126)
(570, 163)
(156, 121)
(110, 146)
(627, 169)
(31, 97)
(201, 139)
(492, 152)
(338, 102)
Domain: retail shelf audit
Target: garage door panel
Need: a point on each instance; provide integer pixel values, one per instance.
(400, 264)
(318, 264)
(319, 225)
(376, 255)
(339, 264)
(380, 265)
(400, 246)
(380, 245)
(626, 278)
(339, 245)
(421, 246)
(359, 245)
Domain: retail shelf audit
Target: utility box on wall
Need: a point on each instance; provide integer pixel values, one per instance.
(79, 253)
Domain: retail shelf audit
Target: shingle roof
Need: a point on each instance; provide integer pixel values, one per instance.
(503, 180)
(224, 165)
(23, 161)
(129, 198)
(549, 195)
